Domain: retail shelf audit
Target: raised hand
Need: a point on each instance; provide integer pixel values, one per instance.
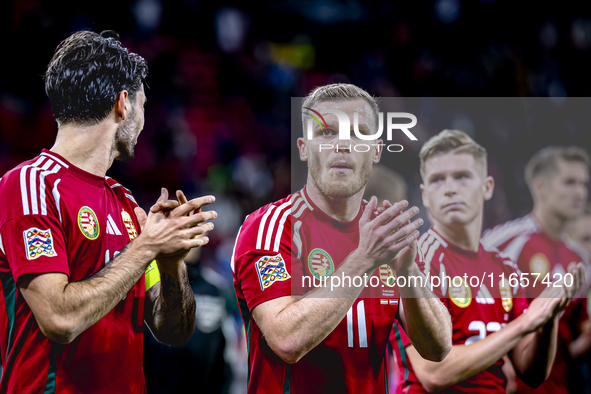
(382, 238)
(173, 229)
(555, 298)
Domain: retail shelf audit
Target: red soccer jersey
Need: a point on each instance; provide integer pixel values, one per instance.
(55, 217)
(278, 246)
(479, 306)
(534, 252)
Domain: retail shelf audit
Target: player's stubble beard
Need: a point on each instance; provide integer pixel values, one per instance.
(125, 138)
(339, 189)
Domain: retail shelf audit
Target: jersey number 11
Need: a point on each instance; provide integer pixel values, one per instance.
(361, 326)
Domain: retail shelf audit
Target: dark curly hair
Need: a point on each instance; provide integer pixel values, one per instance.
(87, 72)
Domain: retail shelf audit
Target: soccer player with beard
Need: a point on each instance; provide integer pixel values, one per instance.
(558, 178)
(331, 340)
(73, 269)
(489, 321)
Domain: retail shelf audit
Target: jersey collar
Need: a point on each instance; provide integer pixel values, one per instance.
(77, 172)
(345, 227)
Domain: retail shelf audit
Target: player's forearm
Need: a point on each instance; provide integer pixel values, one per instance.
(429, 327)
(464, 361)
(426, 319)
(580, 346)
(534, 355)
(301, 325)
(173, 310)
(83, 303)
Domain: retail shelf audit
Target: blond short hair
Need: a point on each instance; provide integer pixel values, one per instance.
(340, 92)
(452, 141)
(544, 163)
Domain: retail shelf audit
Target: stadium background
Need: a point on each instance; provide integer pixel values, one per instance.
(222, 75)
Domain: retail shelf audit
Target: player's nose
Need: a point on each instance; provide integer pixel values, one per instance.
(449, 187)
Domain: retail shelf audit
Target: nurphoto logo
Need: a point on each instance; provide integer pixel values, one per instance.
(345, 128)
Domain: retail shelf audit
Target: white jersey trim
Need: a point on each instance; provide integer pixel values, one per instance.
(513, 250)
(297, 239)
(36, 190)
(271, 227)
(502, 233)
(55, 158)
(236, 243)
(23, 182)
(56, 196)
(42, 196)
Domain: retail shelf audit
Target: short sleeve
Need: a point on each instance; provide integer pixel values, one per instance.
(265, 276)
(34, 244)
(398, 336)
(270, 271)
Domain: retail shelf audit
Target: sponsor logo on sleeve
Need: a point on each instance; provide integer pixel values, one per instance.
(271, 269)
(38, 243)
(88, 223)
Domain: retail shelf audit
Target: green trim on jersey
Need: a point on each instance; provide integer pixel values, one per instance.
(50, 381)
(245, 312)
(386, 375)
(9, 290)
(402, 352)
(287, 381)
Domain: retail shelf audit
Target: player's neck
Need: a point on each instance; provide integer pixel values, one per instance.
(552, 225)
(341, 209)
(86, 147)
(465, 236)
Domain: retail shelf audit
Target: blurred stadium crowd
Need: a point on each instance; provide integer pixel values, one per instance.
(222, 75)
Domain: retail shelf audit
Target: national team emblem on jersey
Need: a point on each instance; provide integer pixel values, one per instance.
(88, 223)
(387, 275)
(128, 223)
(271, 269)
(38, 243)
(506, 298)
(539, 264)
(320, 263)
(460, 295)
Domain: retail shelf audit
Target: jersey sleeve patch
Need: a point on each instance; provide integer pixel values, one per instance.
(38, 243)
(271, 269)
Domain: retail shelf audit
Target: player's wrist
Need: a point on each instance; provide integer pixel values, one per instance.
(142, 245)
(361, 262)
(170, 264)
(528, 323)
(410, 270)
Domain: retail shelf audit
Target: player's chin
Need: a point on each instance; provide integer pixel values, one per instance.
(456, 217)
(126, 153)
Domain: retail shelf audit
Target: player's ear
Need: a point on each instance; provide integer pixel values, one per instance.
(537, 186)
(488, 186)
(303, 148)
(122, 104)
(424, 196)
(377, 151)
